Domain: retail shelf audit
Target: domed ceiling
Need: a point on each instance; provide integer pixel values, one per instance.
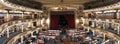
(88, 4)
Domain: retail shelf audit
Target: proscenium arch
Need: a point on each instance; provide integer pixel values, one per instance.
(76, 11)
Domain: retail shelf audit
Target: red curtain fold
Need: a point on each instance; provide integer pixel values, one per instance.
(54, 21)
(70, 20)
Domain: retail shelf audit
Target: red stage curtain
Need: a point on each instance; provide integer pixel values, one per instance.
(70, 20)
(54, 21)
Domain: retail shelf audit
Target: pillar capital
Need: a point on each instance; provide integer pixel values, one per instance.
(8, 10)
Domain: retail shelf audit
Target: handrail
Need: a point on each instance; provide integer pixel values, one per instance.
(12, 41)
(90, 19)
(13, 24)
(107, 32)
(100, 18)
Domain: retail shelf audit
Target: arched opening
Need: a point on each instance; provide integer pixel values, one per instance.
(61, 19)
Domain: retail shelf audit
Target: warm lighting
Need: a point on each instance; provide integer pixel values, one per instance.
(47, 21)
(55, 8)
(42, 21)
(98, 12)
(110, 11)
(77, 20)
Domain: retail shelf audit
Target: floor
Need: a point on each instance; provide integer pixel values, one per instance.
(4, 39)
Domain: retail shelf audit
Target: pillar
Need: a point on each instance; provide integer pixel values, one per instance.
(21, 39)
(106, 24)
(93, 33)
(83, 21)
(8, 33)
(118, 42)
(31, 34)
(37, 31)
(118, 30)
(116, 14)
(88, 29)
(102, 14)
(22, 14)
(7, 16)
(14, 29)
(22, 28)
(103, 25)
(33, 15)
(93, 25)
(104, 35)
(18, 28)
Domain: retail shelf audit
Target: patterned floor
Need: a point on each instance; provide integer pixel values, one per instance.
(4, 39)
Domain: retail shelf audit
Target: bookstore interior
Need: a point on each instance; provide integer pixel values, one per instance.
(59, 21)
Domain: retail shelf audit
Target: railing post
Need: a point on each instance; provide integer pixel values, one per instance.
(118, 42)
(93, 33)
(7, 33)
(22, 28)
(88, 29)
(104, 35)
(21, 39)
(31, 34)
(22, 15)
(118, 30)
(7, 16)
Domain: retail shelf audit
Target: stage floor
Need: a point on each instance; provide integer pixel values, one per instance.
(68, 43)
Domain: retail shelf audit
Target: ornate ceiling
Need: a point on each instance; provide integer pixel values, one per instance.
(60, 2)
(38, 4)
(99, 3)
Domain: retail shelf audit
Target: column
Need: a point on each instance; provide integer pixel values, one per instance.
(7, 16)
(103, 25)
(118, 42)
(8, 33)
(116, 14)
(31, 34)
(21, 39)
(104, 35)
(106, 24)
(33, 15)
(37, 31)
(39, 22)
(14, 29)
(118, 30)
(18, 28)
(88, 29)
(83, 21)
(22, 14)
(22, 28)
(29, 24)
(102, 13)
(93, 33)
(93, 23)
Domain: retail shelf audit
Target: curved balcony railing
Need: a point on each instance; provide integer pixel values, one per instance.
(113, 21)
(113, 36)
(104, 24)
(16, 22)
(109, 34)
(14, 39)
(2, 26)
